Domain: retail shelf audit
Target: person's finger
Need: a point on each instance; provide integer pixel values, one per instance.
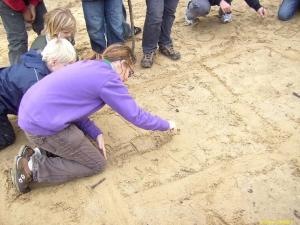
(104, 152)
(265, 12)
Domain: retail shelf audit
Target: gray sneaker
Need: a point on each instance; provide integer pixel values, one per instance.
(147, 60)
(225, 17)
(170, 52)
(190, 22)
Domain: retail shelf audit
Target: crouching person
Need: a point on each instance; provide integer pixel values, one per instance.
(197, 8)
(54, 115)
(17, 79)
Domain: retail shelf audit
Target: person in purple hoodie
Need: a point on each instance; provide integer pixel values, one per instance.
(17, 79)
(54, 116)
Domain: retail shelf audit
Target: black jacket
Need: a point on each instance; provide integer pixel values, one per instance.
(17, 79)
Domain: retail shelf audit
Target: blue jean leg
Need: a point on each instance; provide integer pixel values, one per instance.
(288, 9)
(114, 21)
(158, 23)
(15, 31)
(152, 25)
(126, 26)
(95, 23)
(167, 23)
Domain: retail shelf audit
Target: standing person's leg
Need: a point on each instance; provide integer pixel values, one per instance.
(126, 26)
(288, 9)
(152, 29)
(197, 8)
(16, 32)
(95, 23)
(38, 24)
(7, 134)
(165, 41)
(78, 157)
(114, 21)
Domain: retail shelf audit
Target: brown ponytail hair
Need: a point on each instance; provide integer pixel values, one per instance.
(117, 52)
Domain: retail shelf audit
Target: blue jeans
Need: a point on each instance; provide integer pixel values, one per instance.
(288, 9)
(103, 20)
(14, 26)
(158, 24)
(126, 26)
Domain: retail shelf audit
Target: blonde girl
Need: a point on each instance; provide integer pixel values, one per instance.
(59, 23)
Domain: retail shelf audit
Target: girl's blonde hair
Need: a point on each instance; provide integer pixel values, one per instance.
(117, 52)
(58, 20)
(60, 50)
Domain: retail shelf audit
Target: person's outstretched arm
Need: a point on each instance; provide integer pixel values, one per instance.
(255, 4)
(115, 94)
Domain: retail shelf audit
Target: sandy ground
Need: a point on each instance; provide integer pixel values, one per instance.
(236, 160)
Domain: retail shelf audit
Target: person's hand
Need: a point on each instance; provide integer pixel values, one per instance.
(27, 15)
(172, 125)
(173, 130)
(225, 6)
(101, 145)
(33, 12)
(262, 12)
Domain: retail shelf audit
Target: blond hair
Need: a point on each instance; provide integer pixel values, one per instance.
(117, 52)
(58, 20)
(60, 50)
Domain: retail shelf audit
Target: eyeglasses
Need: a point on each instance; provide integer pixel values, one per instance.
(131, 72)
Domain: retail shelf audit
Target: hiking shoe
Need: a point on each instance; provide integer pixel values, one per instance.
(225, 17)
(26, 152)
(169, 52)
(189, 22)
(21, 174)
(147, 60)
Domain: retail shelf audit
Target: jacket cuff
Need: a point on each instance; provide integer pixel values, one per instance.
(257, 6)
(95, 133)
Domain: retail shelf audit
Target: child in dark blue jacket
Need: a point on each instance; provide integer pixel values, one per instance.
(17, 79)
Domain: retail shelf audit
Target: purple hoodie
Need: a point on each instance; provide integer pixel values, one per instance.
(73, 93)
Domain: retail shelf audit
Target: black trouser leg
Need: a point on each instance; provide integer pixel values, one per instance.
(7, 134)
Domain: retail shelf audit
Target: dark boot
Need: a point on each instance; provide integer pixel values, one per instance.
(169, 52)
(21, 174)
(147, 60)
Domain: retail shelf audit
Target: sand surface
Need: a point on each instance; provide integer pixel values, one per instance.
(236, 159)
